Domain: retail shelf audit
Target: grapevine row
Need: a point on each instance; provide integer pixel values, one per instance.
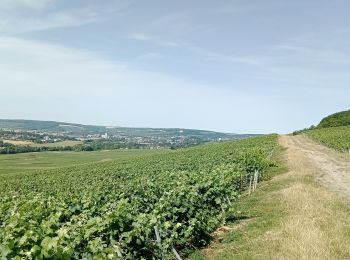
(337, 138)
(110, 210)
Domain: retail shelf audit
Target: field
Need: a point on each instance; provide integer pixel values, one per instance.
(145, 207)
(337, 138)
(57, 144)
(13, 163)
(17, 142)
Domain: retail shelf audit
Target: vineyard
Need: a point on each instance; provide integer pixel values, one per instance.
(337, 138)
(150, 207)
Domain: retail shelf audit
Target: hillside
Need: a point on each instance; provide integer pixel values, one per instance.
(337, 138)
(333, 131)
(48, 126)
(334, 120)
(79, 129)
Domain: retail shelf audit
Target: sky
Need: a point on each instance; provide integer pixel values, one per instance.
(234, 66)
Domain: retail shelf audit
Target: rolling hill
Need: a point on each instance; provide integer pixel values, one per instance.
(334, 120)
(80, 129)
(333, 131)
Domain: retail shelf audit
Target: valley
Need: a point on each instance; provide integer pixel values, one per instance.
(285, 195)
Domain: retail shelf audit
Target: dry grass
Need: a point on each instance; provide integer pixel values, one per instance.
(57, 144)
(314, 227)
(317, 222)
(16, 142)
(297, 218)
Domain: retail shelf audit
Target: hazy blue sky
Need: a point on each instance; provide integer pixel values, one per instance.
(249, 66)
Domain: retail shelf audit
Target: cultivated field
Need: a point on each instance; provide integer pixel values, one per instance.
(117, 209)
(57, 144)
(17, 142)
(25, 162)
(337, 138)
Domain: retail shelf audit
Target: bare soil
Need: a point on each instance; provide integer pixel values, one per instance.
(332, 168)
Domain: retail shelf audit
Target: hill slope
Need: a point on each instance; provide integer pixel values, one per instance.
(337, 138)
(79, 129)
(337, 119)
(333, 131)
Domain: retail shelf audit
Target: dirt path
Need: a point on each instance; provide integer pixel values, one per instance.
(333, 168)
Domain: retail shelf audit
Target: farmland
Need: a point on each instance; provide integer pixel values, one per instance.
(119, 208)
(337, 138)
(57, 144)
(25, 162)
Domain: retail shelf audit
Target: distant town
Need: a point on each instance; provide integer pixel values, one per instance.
(37, 136)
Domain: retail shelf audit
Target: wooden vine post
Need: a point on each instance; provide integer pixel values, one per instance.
(250, 183)
(178, 257)
(159, 242)
(256, 176)
(241, 185)
(253, 182)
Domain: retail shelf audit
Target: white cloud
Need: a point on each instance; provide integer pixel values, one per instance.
(242, 7)
(164, 29)
(204, 53)
(316, 54)
(225, 58)
(46, 81)
(20, 16)
(152, 56)
(169, 31)
(139, 36)
(52, 20)
(25, 4)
